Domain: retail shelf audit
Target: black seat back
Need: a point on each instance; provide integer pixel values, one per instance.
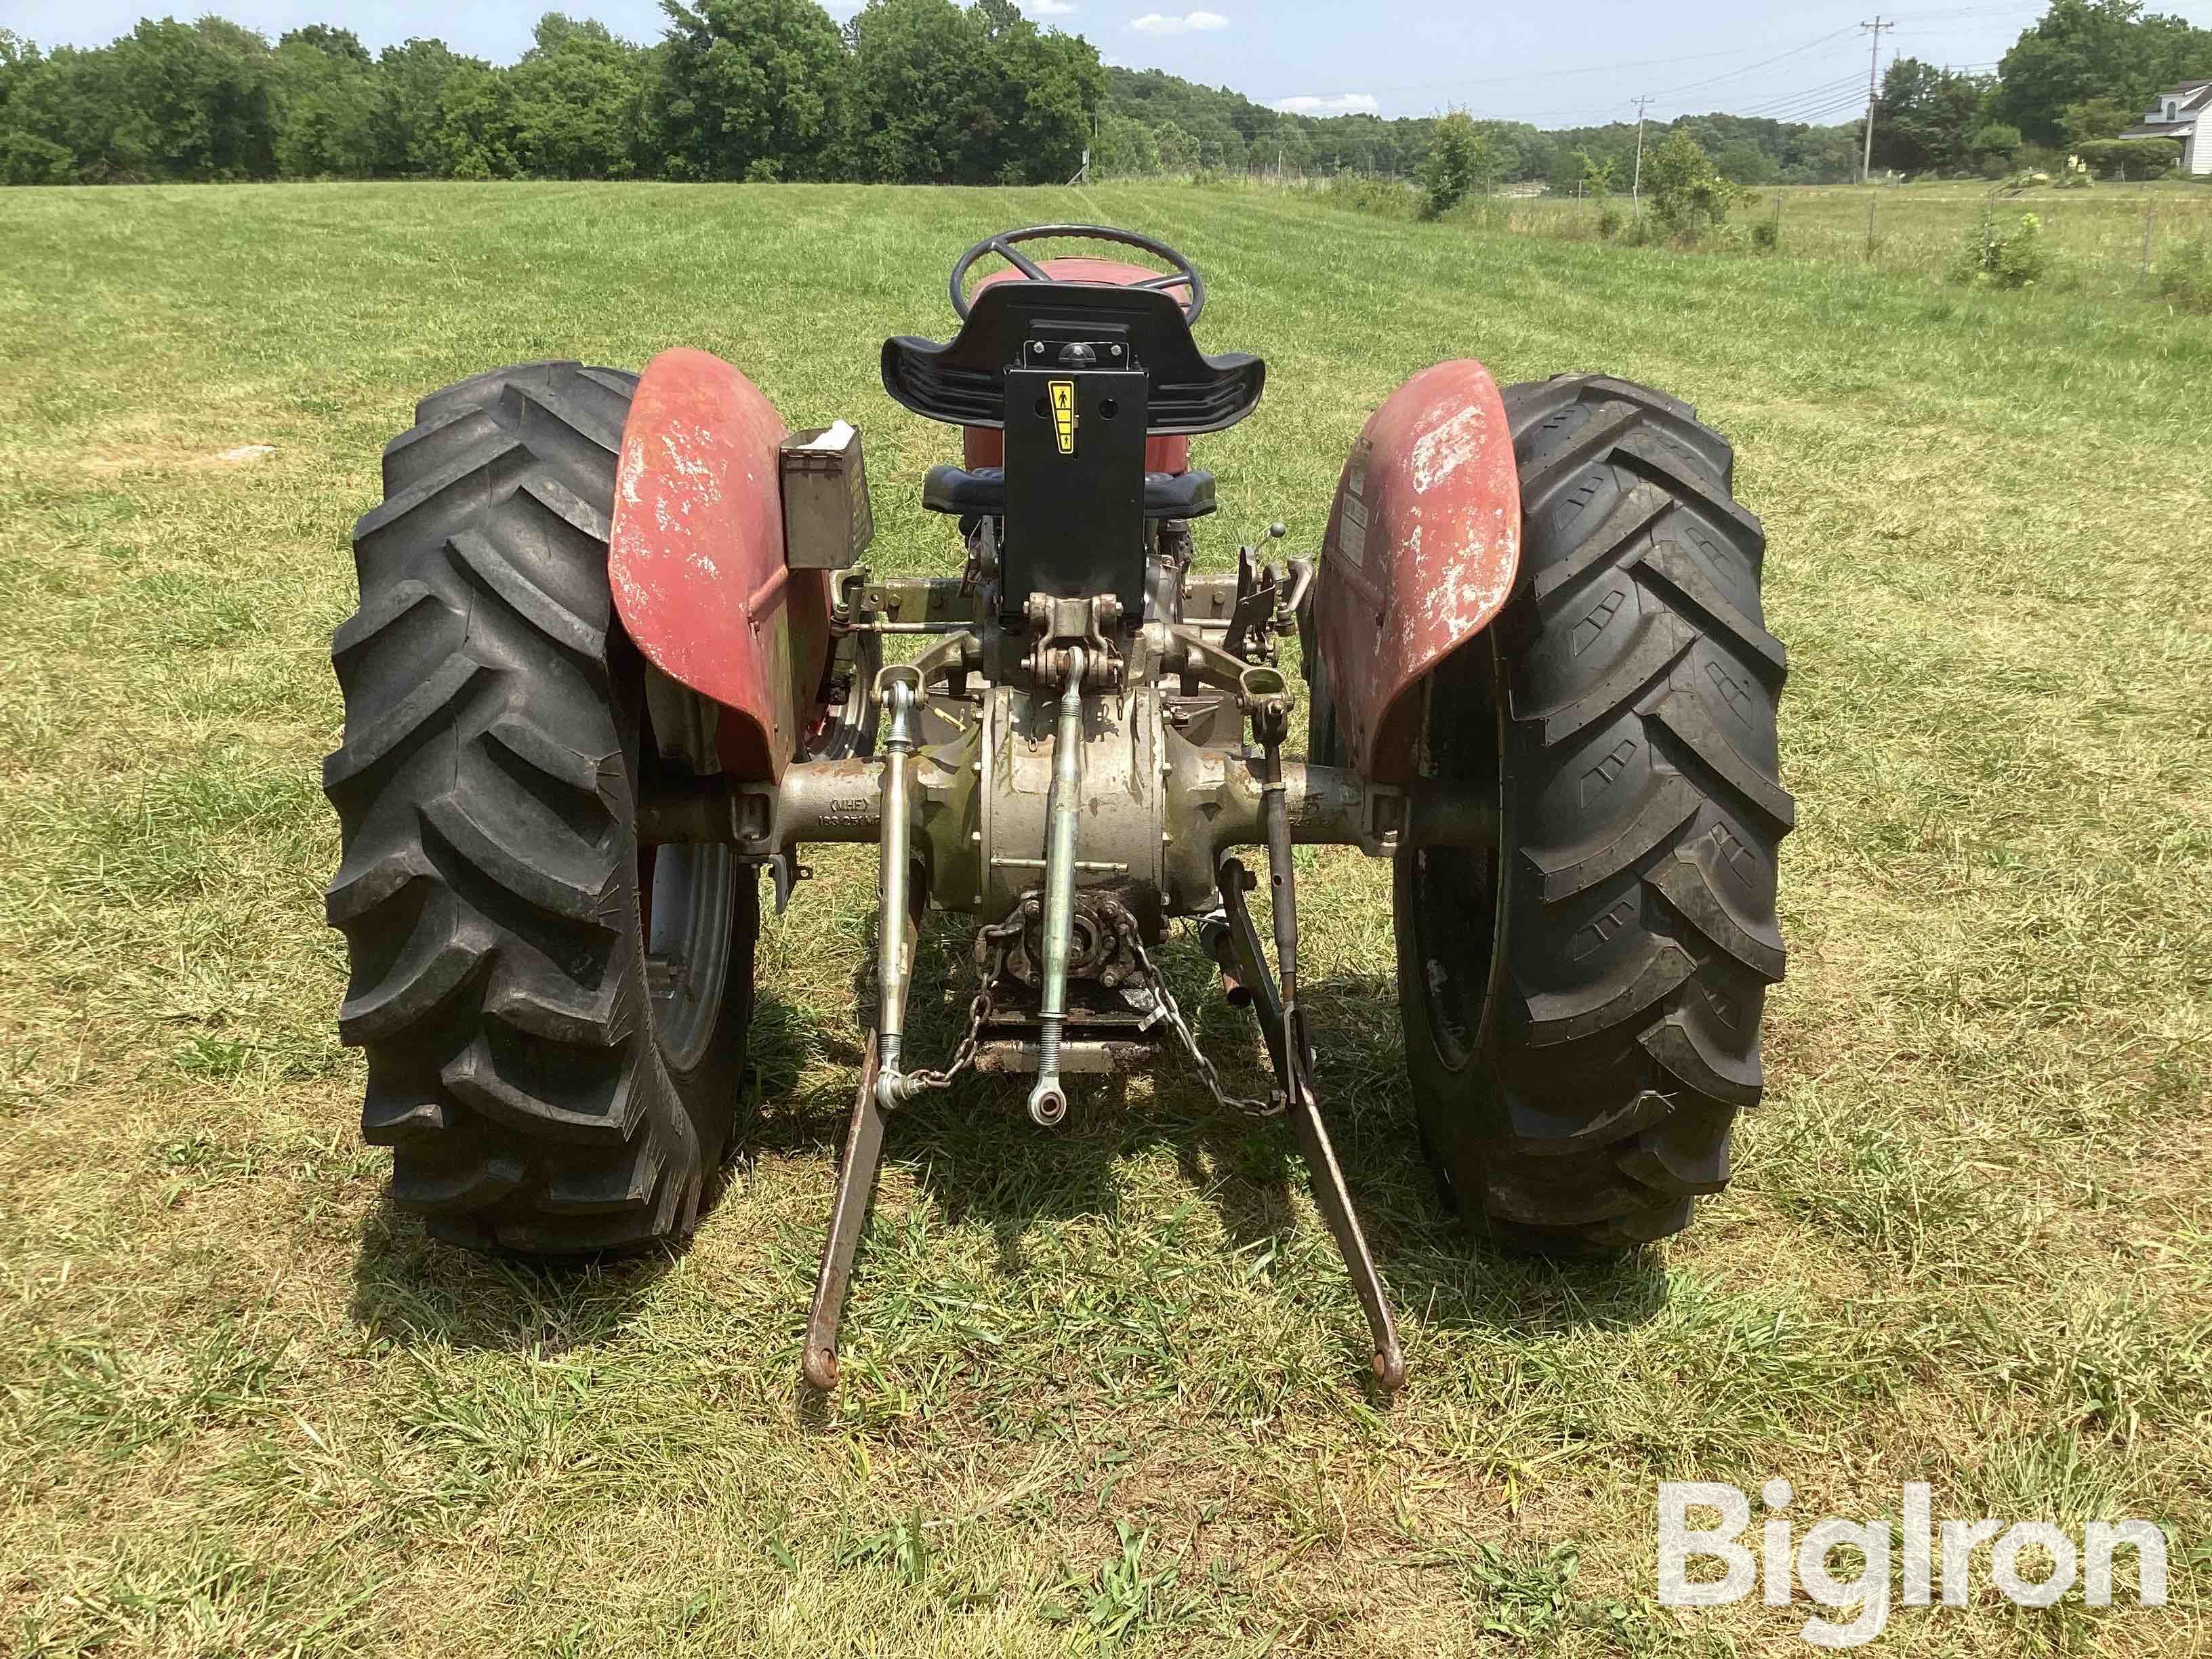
(1022, 324)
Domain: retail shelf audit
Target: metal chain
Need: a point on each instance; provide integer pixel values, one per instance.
(979, 1011)
(982, 1005)
(1271, 1107)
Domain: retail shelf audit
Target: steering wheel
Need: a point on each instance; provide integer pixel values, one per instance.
(1005, 244)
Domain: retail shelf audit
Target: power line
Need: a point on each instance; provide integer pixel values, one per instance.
(1748, 69)
(1580, 69)
(1783, 99)
(1813, 115)
(1695, 57)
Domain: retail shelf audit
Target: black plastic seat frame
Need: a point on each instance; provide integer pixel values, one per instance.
(962, 381)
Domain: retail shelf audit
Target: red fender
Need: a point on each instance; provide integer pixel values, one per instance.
(1423, 545)
(695, 558)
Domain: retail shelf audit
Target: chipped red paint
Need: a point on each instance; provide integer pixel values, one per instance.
(697, 558)
(1423, 544)
(986, 445)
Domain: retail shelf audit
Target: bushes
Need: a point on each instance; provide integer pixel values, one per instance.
(2184, 278)
(2129, 158)
(1389, 199)
(1608, 222)
(1766, 234)
(1999, 253)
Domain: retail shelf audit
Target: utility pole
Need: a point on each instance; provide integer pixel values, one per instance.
(1874, 63)
(1636, 185)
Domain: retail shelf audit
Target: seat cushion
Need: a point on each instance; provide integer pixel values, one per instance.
(983, 490)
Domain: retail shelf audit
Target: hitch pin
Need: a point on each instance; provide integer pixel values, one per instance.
(1049, 1101)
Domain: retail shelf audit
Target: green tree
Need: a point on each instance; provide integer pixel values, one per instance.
(1458, 161)
(18, 58)
(975, 96)
(2082, 50)
(414, 76)
(1042, 88)
(187, 101)
(1923, 116)
(1821, 156)
(578, 96)
(1688, 194)
(1994, 144)
(1127, 147)
(73, 101)
(342, 44)
(749, 89)
(330, 106)
(1593, 174)
(27, 159)
(2093, 119)
(476, 136)
(1741, 161)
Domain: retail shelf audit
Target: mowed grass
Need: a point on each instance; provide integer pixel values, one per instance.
(1102, 1385)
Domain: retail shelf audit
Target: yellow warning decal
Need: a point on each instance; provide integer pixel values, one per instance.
(1063, 415)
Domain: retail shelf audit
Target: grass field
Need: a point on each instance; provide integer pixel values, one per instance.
(2108, 241)
(1102, 1385)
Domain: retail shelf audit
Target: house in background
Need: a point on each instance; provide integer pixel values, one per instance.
(2184, 112)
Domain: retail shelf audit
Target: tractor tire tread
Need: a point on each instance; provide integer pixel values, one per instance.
(487, 885)
(1642, 933)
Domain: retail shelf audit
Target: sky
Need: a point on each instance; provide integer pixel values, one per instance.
(1581, 63)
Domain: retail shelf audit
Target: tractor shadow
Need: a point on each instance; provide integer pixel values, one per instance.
(414, 1288)
(979, 1159)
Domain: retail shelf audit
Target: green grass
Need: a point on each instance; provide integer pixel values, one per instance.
(2096, 237)
(1102, 1384)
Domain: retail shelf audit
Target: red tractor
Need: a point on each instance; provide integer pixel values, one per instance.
(616, 655)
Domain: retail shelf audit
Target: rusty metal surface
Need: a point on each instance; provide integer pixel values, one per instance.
(987, 446)
(695, 558)
(1012, 1057)
(1423, 541)
(856, 1186)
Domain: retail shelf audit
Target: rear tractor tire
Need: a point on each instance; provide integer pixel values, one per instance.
(555, 1018)
(1582, 1009)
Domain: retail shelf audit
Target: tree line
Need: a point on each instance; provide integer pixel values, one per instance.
(909, 91)
(1154, 122)
(2074, 79)
(932, 91)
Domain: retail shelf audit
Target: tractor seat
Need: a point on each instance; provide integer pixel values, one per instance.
(983, 492)
(963, 381)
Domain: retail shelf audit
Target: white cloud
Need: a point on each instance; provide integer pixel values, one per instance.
(1153, 22)
(1344, 103)
(1045, 8)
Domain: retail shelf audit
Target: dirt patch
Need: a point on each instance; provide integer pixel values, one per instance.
(171, 458)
